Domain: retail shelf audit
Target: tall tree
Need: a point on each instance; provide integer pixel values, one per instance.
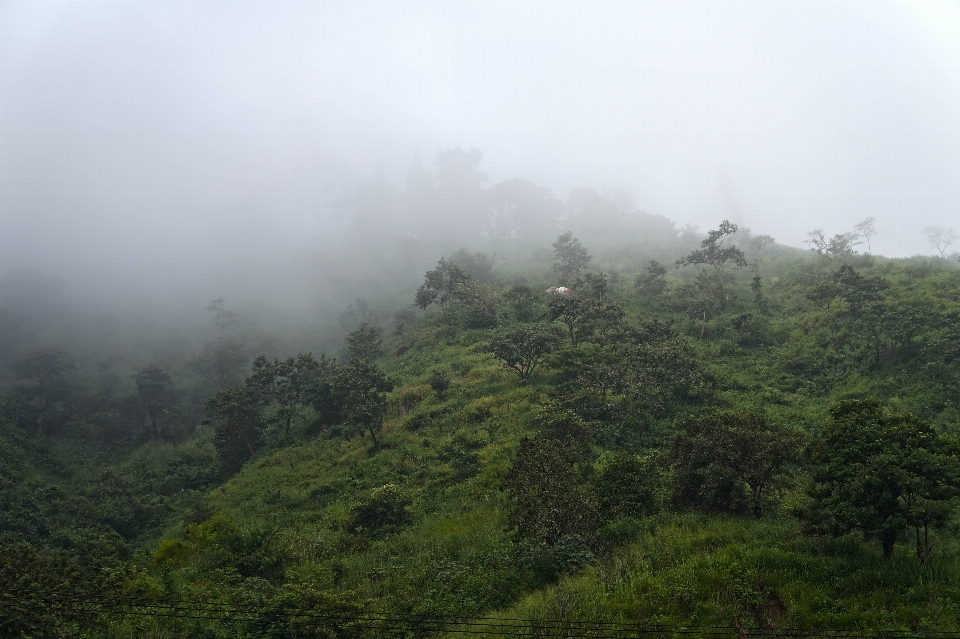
(440, 285)
(43, 366)
(221, 362)
(550, 501)
(867, 230)
(713, 254)
(882, 473)
(569, 257)
(839, 247)
(365, 343)
(286, 383)
(523, 348)
(239, 425)
(940, 238)
(361, 390)
(652, 282)
(154, 396)
(730, 459)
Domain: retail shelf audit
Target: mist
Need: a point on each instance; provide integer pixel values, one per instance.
(291, 155)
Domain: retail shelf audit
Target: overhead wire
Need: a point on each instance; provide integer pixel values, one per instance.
(430, 623)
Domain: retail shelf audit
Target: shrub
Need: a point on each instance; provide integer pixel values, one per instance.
(383, 513)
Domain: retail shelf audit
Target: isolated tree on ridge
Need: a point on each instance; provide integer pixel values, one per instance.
(712, 253)
(867, 230)
(569, 257)
(940, 238)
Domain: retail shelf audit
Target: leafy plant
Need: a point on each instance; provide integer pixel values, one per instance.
(523, 348)
(881, 474)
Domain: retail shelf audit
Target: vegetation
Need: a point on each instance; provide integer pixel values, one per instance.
(765, 440)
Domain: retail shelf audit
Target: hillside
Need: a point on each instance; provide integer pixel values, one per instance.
(660, 447)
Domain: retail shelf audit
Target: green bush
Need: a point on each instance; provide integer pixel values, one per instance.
(383, 513)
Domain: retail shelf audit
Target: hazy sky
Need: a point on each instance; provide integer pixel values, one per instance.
(137, 134)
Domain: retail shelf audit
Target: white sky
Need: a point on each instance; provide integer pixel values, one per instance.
(136, 133)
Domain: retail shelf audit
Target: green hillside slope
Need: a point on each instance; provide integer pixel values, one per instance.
(654, 449)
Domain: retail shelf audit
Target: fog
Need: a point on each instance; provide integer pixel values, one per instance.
(156, 155)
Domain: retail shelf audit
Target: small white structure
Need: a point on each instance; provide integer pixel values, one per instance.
(561, 290)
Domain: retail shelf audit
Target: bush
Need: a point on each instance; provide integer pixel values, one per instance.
(383, 513)
(626, 487)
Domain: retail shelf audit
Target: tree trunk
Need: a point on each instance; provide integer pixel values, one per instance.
(923, 547)
(373, 434)
(247, 442)
(887, 540)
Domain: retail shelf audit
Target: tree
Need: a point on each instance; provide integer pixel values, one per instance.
(527, 304)
(626, 486)
(592, 285)
(220, 363)
(480, 301)
(867, 230)
(758, 243)
(439, 382)
(757, 287)
(365, 343)
(549, 500)
(286, 383)
(652, 282)
(940, 238)
(584, 316)
(457, 170)
(477, 265)
(360, 388)
(727, 460)
(239, 424)
(663, 371)
(384, 512)
(224, 319)
(881, 473)
(712, 253)
(154, 395)
(702, 299)
(440, 285)
(600, 370)
(523, 348)
(569, 257)
(840, 246)
(43, 366)
(42, 585)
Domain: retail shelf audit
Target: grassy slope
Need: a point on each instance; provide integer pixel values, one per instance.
(449, 454)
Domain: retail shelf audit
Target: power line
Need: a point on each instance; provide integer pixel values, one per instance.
(430, 623)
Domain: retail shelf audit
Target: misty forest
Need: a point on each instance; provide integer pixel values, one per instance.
(430, 380)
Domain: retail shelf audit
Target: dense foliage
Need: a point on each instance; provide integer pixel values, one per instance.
(721, 443)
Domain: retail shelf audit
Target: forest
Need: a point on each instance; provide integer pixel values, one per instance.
(587, 423)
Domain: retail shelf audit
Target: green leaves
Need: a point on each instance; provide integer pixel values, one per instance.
(360, 389)
(712, 251)
(239, 424)
(521, 349)
(729, 461)
(384, 512)
(880, 474)
(549, 500)
(569, 257)
(286, 383)
(440, 285)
